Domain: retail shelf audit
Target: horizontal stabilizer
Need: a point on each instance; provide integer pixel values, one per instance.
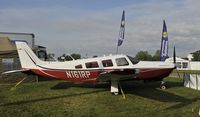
(15, 71)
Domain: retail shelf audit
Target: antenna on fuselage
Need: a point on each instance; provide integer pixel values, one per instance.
(174, 55)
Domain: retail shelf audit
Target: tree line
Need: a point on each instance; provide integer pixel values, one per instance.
(69, 57)
(196, 56)
(141, 55)
(146, 56)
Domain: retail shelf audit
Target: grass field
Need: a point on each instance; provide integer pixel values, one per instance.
(60, 98)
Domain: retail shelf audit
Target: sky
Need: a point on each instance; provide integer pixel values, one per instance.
(91, 27)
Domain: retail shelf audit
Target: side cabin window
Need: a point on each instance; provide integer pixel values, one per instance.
(78, 66)
(121, 62)
(91, 65)
(107, 63)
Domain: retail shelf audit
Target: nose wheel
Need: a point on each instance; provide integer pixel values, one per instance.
(115, 93)
(162, 85)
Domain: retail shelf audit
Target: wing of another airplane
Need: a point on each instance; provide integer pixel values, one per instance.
(15, 71)
(118, 75)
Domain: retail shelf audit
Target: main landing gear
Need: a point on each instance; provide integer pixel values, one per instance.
(162, 85)
(114, 89)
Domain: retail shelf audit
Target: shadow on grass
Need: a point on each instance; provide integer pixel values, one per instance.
(50, 98)
(151, 91)
(184, 103)
(128, 84)
(147, 90)
(66, 85)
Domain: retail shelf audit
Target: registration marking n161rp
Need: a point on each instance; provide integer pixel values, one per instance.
(77, 74)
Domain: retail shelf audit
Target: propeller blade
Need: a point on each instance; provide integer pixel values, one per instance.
(174, 56)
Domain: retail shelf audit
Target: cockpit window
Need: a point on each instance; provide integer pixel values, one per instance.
(107, 63)
(78, 66)
(121, 62)
(92, 64)
(133, 60)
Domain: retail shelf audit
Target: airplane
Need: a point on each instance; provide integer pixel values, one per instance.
(111, 68)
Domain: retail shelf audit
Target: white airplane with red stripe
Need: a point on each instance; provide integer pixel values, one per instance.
(112, 68)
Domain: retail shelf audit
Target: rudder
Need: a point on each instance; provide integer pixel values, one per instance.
(27, 57)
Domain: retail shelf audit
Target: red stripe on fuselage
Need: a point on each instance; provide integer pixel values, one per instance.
(69, 75)
(154, 74)
(91, 75)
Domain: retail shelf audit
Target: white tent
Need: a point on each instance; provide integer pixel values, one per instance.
(192, 80)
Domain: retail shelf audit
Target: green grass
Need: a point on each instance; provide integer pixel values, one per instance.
(60, 98)
(188, 71)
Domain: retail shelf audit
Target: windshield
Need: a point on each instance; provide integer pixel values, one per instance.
(121, 61)
(133, 60)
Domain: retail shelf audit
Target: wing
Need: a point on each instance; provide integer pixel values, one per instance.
(16, 71)
(120, 74)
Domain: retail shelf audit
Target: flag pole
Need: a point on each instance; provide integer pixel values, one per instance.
(121, 32)
(117, 49)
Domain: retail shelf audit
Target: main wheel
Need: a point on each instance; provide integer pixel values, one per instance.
(163, 87)
(115, 93)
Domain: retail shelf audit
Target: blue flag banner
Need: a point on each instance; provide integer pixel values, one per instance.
(122, 30)
(164, 43)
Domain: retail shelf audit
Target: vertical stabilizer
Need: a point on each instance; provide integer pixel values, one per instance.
(27, 57)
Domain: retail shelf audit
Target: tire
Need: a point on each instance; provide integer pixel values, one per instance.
(163, 87)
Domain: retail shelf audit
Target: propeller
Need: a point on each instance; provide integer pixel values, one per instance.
(174, 57)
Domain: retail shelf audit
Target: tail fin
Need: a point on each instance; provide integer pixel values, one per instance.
(27, 57)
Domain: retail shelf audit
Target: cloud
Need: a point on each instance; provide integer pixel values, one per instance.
(95, 32)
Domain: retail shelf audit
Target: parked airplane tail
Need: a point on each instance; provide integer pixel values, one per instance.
(27, 57)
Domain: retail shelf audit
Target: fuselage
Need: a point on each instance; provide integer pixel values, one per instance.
(88, 70)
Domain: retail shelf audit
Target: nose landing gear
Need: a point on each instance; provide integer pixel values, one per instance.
(162, 85)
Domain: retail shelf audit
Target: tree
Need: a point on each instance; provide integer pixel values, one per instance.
(65, 57)
(61, 58)
(50, 57)
(144, 56)
(68, 58)
(196, 56)
(76, 56)
(156, 56)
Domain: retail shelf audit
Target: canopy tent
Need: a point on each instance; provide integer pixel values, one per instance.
(6, 46)
(192, 80)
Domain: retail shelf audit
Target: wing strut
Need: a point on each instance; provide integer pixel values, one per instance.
(123, 95)
(13, 88)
